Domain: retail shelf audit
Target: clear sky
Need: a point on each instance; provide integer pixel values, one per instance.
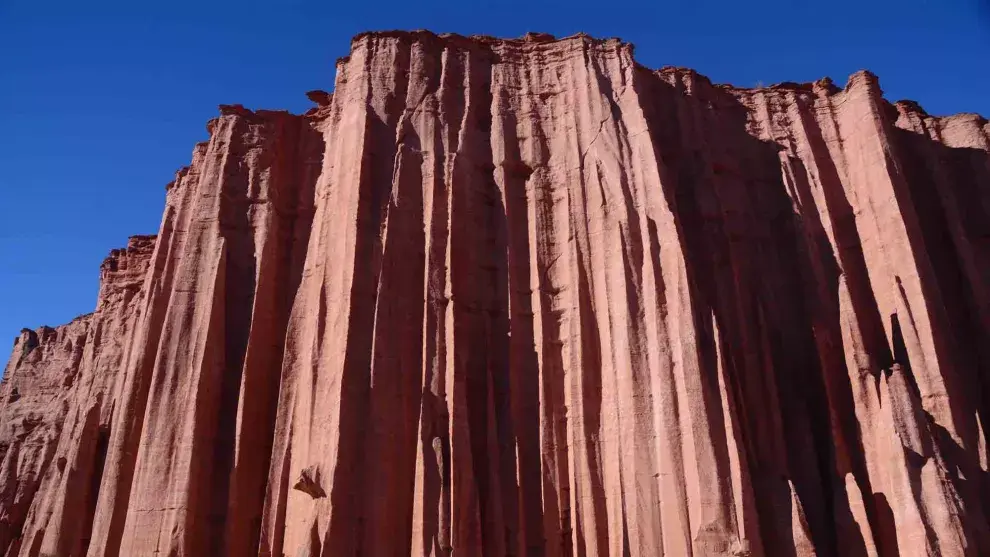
(100, 102)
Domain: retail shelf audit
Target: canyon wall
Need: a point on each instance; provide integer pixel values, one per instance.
(527, 297)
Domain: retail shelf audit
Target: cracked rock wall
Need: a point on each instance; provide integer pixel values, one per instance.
(527, 297)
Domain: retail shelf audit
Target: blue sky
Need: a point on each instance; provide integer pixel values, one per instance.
(101, 103)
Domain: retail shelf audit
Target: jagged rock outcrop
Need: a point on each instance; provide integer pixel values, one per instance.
(527, 297)
(60, 392)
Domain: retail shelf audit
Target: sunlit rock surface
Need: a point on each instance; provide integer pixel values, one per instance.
(527, 297)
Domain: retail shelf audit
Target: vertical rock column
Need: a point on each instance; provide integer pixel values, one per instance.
(196, 430)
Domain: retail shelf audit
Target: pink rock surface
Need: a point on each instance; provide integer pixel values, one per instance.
(527, 297)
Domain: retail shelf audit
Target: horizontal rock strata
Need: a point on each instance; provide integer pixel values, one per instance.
(527, 297)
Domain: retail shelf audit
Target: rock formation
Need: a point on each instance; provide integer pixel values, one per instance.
(529, 298)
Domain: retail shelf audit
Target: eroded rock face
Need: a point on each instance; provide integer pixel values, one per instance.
(60, 391)
(527, 297)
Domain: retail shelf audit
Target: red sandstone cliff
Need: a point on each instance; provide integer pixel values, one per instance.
(527, 297)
